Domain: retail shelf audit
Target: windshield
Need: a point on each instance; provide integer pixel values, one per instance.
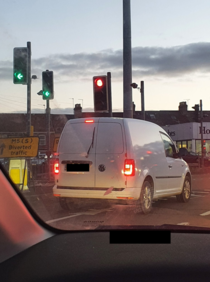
(94, 111)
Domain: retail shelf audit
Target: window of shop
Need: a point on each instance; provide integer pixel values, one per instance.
(184, 144)
(178, 144)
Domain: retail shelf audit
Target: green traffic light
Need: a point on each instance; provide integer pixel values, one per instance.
(46, 93)
(19, 75)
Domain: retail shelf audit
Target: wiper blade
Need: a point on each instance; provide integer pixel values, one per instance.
(91, 142)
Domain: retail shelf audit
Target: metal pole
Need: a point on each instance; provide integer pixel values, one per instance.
(202, 151)
(48, 134)
(109, 93)
(127, 62)
(29, 91)
(142, 99)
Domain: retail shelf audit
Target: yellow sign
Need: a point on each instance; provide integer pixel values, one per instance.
(19, 147)
(55, 146)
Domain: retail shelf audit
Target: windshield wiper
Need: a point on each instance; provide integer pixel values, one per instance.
(91, 142)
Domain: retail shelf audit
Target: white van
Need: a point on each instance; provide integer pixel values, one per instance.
(119, 159)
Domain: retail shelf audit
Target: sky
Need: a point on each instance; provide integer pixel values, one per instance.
(81, 39)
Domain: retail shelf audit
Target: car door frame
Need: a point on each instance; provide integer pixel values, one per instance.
(175, 166)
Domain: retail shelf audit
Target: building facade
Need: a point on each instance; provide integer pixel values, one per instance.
(182, 125)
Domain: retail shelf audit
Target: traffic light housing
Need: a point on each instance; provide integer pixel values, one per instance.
(196, 108)
(134, 85)
(100, 93)
(204, 146)
(47, 85)
(20, 65)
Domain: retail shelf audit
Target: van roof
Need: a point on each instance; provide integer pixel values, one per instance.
(95, 119)
(113, 119)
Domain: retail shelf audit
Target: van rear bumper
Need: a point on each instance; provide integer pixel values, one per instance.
(97, 192)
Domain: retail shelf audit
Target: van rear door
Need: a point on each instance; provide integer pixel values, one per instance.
(110, 155)
(77, 154)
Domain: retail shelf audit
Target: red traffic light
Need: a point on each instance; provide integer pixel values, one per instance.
(99, 82)
(100, 93)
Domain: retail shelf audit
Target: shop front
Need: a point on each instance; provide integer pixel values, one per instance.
(188, 135)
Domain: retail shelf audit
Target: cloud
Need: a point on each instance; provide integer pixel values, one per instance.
(156, 62)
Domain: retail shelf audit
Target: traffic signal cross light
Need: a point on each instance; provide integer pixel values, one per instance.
(100, 93)
(47, 85)
(20, 65)
(204, 145)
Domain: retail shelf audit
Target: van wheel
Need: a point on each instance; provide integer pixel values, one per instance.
(63, 203)
(144, 204)
(184, 197)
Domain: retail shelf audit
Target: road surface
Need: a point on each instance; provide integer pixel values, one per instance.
(90, 214)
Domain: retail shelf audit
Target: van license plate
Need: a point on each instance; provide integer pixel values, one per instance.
(77, 167)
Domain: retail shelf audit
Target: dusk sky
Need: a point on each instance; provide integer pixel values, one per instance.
(80, 39)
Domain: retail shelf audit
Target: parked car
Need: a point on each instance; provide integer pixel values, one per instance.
(191, 157)
(119, 159)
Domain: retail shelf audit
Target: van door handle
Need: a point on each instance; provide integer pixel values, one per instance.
(170, 166)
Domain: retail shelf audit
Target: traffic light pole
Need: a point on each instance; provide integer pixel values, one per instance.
(48, 135)
(28, 129)
(109, 93)
(202, 150)
(142, 100)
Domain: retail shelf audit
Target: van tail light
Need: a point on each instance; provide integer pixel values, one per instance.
(56, 167)
(129, 167)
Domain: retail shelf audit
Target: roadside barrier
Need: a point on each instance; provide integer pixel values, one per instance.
(18, 172)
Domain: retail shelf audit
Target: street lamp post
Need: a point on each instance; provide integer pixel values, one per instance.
(134, 85)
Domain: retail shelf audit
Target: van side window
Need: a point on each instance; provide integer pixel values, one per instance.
(109, 138)
(168, 145)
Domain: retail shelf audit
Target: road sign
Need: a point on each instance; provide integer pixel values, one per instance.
(19, 147)
(55, 146)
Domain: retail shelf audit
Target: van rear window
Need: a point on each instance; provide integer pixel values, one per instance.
(109, 138)
(76, 138)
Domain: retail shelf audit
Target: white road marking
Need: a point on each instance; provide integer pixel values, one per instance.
(197, 196)
(200, 192)
(205, 213)
(92, 212)
(183, 223)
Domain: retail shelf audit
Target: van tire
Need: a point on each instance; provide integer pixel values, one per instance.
(144, 204)
(184, 197)
(63, 203)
